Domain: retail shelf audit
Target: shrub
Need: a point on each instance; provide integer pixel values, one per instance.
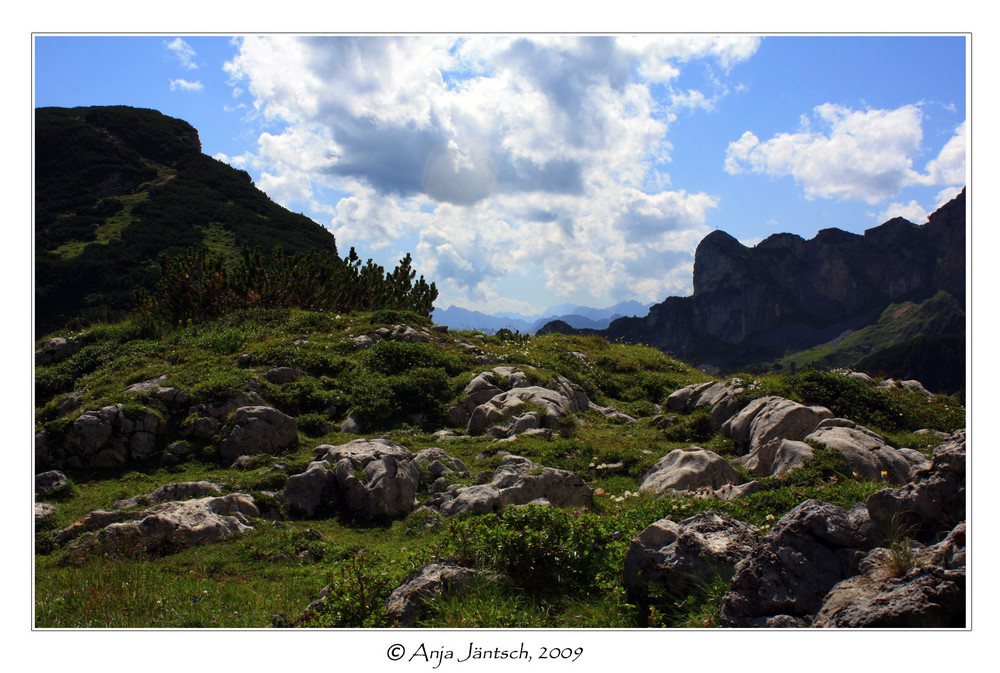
(195, 286)
(538, 547)
(355, 596)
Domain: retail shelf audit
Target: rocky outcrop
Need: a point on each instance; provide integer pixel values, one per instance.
(100, 438)
(689, 470)
(50, 482)
(164, 528)
(933, 502)
(368, 479)
(56, 349)
(503, 403)
(772, 418)
(787, 293)
(175, 491)
(255, 430)
(677, 556)
(925, 590)
(784, 581)
(412, 598)
(865, 451)
(517, 481)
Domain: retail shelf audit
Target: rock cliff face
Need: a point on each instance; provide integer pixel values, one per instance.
(785, 293)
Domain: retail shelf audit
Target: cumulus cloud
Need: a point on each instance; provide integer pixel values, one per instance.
(949, 166)
(911, 211)
(183, 52)
(864, 155)
(184, 85)
(859, 155)
(497, 154)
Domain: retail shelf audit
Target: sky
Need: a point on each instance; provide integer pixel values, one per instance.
(526, 170)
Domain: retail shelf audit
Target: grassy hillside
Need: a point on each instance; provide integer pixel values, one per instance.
(116, 187)
(872, 347)
(563, 565)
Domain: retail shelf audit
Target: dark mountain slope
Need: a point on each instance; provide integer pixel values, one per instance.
(787, 294)
(116, 187)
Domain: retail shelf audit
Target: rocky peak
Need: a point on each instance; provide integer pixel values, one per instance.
(791, 293)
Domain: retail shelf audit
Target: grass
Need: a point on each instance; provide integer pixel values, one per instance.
(562, 567)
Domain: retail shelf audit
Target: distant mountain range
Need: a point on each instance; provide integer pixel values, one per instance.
(579, 317)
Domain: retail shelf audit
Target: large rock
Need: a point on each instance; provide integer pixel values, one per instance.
(164, 528)
(689, 470)
(100, 438)
(435, 463)
(552, 408)
(776, 457)
(809, 550)
(679, 556)
(181, 490)
(375, 478)
(769, 418)
(928, 593)
(312, 491)
(255, 430)
(933, 502)
(411, 598)
(56, 349)
(50, 482)
(716, 394)
(518, 481)
(867, 453)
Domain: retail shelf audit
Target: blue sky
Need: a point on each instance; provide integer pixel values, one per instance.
(529, 170)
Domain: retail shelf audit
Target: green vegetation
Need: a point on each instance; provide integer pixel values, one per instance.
(117, 187)
(554, 567)
(919, 339)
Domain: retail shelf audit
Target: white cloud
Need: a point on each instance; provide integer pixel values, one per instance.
(498, 155)
(911, 211)
(862, 155)
(184, 53)
(949, 166)
(184, 85)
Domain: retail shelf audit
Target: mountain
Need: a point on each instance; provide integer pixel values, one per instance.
(751, 306)
(573, 315)
(116, 187)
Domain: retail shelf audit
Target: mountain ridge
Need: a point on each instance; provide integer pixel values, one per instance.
(116, 187)
(754, 305)
(577, 316)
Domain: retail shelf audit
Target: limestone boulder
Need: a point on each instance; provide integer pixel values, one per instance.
(783, 582)
(413, 597)
(866, 452)
(436, 462)
(551, 406)
(929, 593)
(769, 418)
(678, 556)
(56, 349)
(43, 511)
(518, 481)
(52, 481)
(933, 502)
(376, 478)
(281, 375)
(182, 490)
(689, 470)
(255, 430)
(311, 492)
(166, 527)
